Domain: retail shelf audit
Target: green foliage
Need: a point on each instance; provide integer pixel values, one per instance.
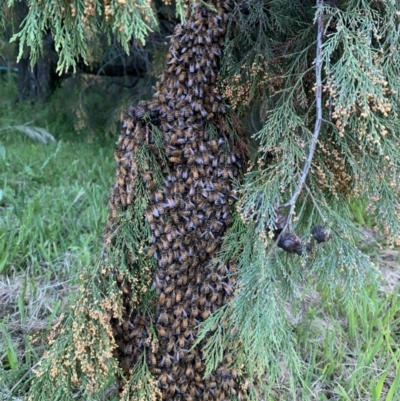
(75, 26)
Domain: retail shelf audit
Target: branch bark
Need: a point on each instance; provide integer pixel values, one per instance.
(318, 119)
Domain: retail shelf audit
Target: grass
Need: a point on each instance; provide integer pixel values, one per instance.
(53, 202)
(52, 214)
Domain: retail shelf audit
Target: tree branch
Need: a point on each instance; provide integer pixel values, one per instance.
(318, 119)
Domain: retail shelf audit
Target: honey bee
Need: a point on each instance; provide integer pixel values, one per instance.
(184, 213)
(186, 57)
(215, 30)
(175, 216)
(189, 372)
(182, 280)
(204, 61)
(204, 193)
(201, 171)
(169, 203)
(226, 173)
(215, 224)
(198, 366)
(149, 216)
(126, 364)
(195, 221)
(205, 157)
(179, 311)
(163, 316)
(164, 244)
(153, 359)
(178, 295)
(128, 349)
(119, 329)
(147, 176)
(185, 323)
(214, 297)
(195, 310)
(155, 212)
(168, 302)
(206, 313)
(120, 180)
(169, 288)
(133, 333)
(170, 255)
(170, 115)
(211, 248)
(163, 379)
(183, 389)
(161, 299)
(206, 288)
(195, 261)
(170, 344)
(185, 111)
(161, 97)
(166, 360)
(163, 261)
(184, 256)
(125, 288)
(181, 185)
(175, 368)
(202, 299)
(191, 159)
(175, 160)
(125, 325)
(158, 196)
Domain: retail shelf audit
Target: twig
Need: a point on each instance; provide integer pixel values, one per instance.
(318, 119)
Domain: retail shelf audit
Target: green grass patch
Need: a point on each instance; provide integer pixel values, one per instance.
(53, 201)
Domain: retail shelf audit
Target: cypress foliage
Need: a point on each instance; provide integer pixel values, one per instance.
(324, 77)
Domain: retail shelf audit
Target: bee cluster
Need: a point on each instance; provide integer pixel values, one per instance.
(192, 211)
(135, 132)
(131, 336)
(131, 329)
(188, 214)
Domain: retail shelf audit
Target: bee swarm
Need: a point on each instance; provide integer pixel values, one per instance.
(188, 213)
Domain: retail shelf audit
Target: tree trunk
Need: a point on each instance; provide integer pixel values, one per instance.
(38, 82)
